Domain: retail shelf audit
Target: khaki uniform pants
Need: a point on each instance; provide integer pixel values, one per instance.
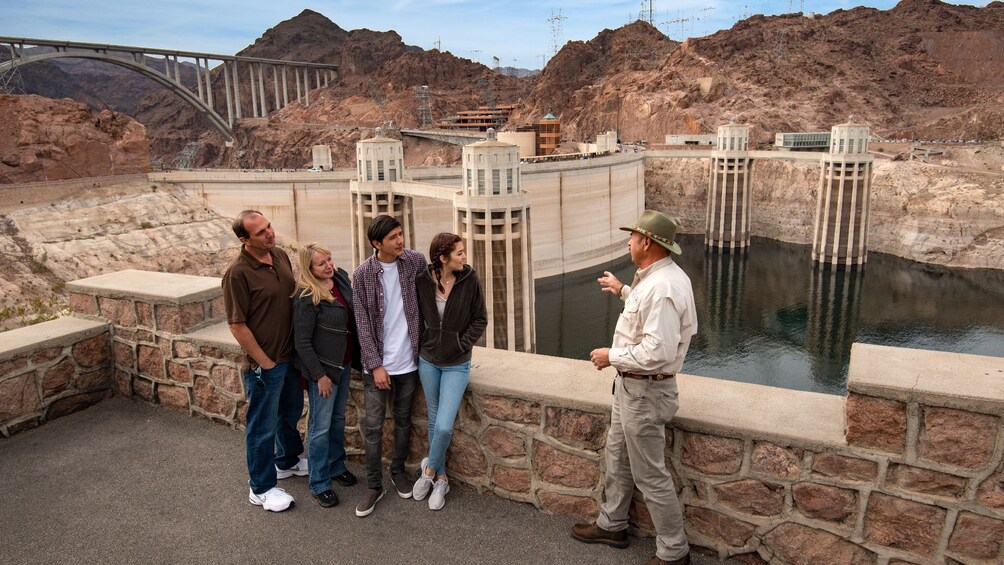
(636, 455)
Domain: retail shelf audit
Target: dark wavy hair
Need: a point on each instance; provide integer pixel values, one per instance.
(380, 227)
(442, 245)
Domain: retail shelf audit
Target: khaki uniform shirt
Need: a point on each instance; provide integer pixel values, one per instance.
(659, 318)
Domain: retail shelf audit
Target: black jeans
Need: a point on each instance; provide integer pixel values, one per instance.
(402, 391)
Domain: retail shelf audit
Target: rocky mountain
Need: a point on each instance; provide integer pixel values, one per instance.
(45, 139)
(922, 69)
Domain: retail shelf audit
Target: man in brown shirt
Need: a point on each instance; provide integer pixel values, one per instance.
(256, 291)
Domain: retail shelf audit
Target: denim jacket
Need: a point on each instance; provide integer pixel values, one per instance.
(322, 332)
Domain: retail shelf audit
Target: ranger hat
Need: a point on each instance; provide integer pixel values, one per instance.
(658, 227)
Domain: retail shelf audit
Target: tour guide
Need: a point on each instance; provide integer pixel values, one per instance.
(650, 341)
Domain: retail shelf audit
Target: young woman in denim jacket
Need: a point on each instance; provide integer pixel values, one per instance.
(453, 314)
(324, 334)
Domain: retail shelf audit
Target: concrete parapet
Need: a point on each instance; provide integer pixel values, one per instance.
(52, 369)
(909, 467)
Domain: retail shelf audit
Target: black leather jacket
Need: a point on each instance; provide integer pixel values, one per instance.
(322, 332)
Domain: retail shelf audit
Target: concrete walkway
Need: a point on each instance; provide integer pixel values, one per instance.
(125, 482)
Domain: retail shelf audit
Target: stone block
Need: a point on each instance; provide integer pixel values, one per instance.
(957, 437)
(165, 346)
(557, 467)
(124, 355)
(142, 388)
(94, 379)
(75, 403)
(12, 367)
(93, 351)
(504, 443)
(353, 440)
(123, 382)
(511, 479)
(977, 536)
(242, 415)
(509, 409)
(825, 502)
(83, 304)
(23, 425)
(178, 319)
(145, 336)
(714, 455)
(718, 526)
(469, 419)
(351, 417)
(211, 401)
(419, 407)
(752, 497)
(876, 423)
(18, 397)
(179, 373)
(40, 357)
(903, 524)
(925, 481)
(580, 507)
(118, 312)
(795, 543)
(639, 515)
(217, 309)
(57, 378)
(184, 349)
(465, 458)
(173, 397)
(151, 361)
(122, 334)
(991, 491)
(576, 428)
(200, 366)
(419, 445)
(144, 314)
(777, 461)
(831, 464)
(228, 379)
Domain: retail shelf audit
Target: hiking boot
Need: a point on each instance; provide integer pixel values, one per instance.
(424, 483)
(591, 533)
(438, 497)
(327, 498)
(300, 470)
(274, 499)
(402, 484)
(368, 502)
(346, 479)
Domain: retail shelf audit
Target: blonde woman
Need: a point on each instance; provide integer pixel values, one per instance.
(324, 334)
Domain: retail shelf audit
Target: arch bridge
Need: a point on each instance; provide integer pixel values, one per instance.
(165, 66)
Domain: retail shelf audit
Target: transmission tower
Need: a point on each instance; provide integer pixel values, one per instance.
(650, 9)
(10, 80)
(438, 43)
(555, 21)
(477, 55)
(424, 108)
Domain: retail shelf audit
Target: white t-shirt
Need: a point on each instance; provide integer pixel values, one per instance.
(398, 356)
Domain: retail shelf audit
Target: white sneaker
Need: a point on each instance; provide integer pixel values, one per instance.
(300, 470)
(274, 499)
(424, 483)
(438, 498)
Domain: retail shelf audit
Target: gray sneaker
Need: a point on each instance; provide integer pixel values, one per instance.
(402, 484)
(424, 483)
(438, 497)
(368, 502)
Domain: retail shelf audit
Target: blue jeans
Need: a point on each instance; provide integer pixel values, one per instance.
(326, 433)
(275, 404)
(444, 390)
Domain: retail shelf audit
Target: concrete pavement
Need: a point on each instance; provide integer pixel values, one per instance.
(125, 482)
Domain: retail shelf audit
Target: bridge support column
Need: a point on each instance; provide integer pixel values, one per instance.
(728, 216)
(285, 89)
(275, 86)
(306, 87)
(840, 234)
(229, 93)
(209, 86)
(299, 94)
(378, 161)
(261, 90)
(254, 96)
(237, 90)
(177, 70)
(198, 78)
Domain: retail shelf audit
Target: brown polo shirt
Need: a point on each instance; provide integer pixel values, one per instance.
(258, 295)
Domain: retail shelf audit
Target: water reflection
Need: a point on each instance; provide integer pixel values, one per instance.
(770, 317)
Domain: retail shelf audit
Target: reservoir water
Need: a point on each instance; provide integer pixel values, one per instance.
(770, 317)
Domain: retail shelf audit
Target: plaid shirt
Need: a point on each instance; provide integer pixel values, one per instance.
(367, 297)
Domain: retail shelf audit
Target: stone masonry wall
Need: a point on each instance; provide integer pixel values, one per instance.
(52, 369)
(901, 471)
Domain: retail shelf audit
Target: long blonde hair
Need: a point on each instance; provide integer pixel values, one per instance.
(306, 280)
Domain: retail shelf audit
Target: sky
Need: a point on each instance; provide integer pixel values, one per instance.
(519, 33)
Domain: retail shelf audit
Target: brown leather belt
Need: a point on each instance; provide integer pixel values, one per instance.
(645, 377)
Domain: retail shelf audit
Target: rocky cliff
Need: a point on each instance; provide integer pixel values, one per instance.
(45, 139)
